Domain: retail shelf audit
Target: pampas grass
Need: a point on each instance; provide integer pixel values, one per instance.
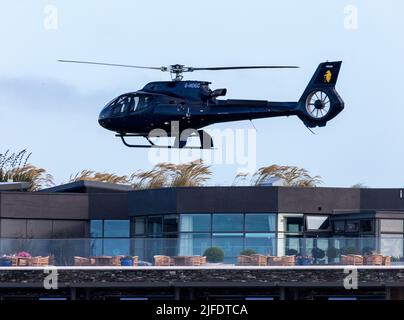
(292, 176)
(15, 167)
(90, 175)
(163, 175)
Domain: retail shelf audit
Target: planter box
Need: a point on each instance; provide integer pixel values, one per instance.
(189, 260)
(282, 261)
(386, 260)
(82, 262)
(163, 261)
(259, 260)
(373, 260)
(38, 261)
(243, 260)
(351, 260)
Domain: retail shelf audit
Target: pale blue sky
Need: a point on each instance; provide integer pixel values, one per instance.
(52, 108)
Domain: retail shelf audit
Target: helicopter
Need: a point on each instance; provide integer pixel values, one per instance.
(181, 108)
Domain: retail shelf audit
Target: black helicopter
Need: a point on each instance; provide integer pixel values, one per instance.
(180, 108)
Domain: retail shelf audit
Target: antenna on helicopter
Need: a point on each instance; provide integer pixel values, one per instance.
(177, 70)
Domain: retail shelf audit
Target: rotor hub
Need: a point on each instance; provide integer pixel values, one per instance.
(318, 104)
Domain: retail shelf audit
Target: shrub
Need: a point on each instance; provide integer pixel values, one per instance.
(349, 250)
(318, 253)
(248, 252)
(332, 252)
(214, 254)
(292, 252)
(368, 251)
(127, 258)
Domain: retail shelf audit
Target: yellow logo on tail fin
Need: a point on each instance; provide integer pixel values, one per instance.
(327, 76)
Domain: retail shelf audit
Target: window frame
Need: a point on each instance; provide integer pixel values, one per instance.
(306, 224)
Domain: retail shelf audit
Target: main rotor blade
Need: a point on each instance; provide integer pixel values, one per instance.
(114, 65)
(245, 67)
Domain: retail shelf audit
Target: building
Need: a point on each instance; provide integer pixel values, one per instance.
(113, 219)
(95, 219)
(271, 220)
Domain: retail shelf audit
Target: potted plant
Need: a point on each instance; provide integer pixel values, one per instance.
(292, 252)
(318, 254)
(247, 252)
(5, 262)
(332, 253)
(23, 254)
(349, 250)
(368, 251)
(214, 255)
(127, 261)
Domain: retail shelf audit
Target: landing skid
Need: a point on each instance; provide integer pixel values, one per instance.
(204, 138)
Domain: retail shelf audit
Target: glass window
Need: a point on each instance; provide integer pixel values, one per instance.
(96, 247)
(134, 104)
(339, 226)
(69, 229)
(367, 245)
(96, 228)
(139, 225)
(294, 224)
(116, 228)
(154, 225)
(352, 226)
(230, 243)
(263, 243)
(293, 245)
(392, 245)
(122, 105)
(194, 243)
(390, 225)
(260, 222)
(227, 222)
(195, 222)
(170, 223)
(140, 102)
(317, 223)
(112, 103)
(116, 247)
(116, 109)
(366, 226)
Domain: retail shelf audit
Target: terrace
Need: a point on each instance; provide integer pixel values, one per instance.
(167, 252)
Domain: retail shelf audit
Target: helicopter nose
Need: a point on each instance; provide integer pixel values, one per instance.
(103, 119)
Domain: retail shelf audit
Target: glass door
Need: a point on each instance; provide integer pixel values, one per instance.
(290, 233)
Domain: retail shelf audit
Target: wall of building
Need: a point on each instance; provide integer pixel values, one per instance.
(43, 216)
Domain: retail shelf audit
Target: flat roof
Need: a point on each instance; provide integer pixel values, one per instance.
(14, 186)
(89, 187)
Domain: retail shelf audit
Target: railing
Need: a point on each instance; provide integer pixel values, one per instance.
(259, 251)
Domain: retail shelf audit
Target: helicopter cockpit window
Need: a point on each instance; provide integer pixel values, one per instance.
(140, 102)
(121, 105)
(135, 103)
